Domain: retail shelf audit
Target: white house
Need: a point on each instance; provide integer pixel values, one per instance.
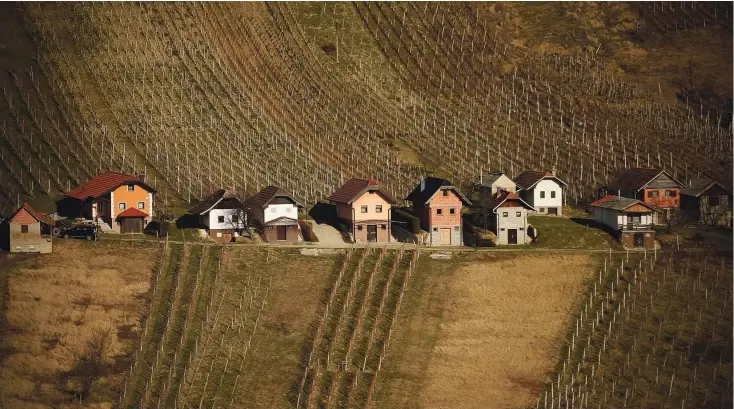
(542, 190)
(222, 214)
(630, 220)
(276, 213)
(510, 218)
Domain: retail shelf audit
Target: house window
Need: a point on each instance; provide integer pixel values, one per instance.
(652, 193)
(24, 228)
(359, 228)
(141, 205)
(439, 211)
(220, 219)
(131, 188)
(364, 208)
(542, 194)
(553, 194)
(122, 206)
(504, 214)
(445, 192)
(234, 218)
(219, 234)
(378, 209)
(452, 211)
(670, 193)
(502, 229)
(32, 246)
(372, 192)
(518, 214)
(435, 229)
(457, 228)
(288, 209)
(542, 209)
(273, 209)
(383, 226)
(713, 200)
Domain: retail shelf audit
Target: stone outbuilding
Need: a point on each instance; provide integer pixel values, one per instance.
(28, 231)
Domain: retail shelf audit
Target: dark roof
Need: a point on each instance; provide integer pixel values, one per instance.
(354, 188)
(530, 178)
(502, 196)
(698, 186)
(431, 186)
(268, 194)
(104, 183)
(637, 178)
(490, 178)
(132, 212)
(207, 203)
(618, 203)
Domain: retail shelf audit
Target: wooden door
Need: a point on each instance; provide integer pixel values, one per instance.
(639, 239)
(553, 210)
(446, 236)
(282, 233)
(226, 237)
(132, 225)
(511, 236)
(372, 232)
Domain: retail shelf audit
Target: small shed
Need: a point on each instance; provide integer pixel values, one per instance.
(706, 201)
(29, 231)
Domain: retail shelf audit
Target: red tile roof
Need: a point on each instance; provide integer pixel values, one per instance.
(354, 188)
(132, 212)
(26, 214)
(104, 183)
(502, 196)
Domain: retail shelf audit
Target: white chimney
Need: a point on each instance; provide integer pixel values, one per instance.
(423, 184)
(553, 171)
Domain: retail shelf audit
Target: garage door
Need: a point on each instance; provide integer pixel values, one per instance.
(132, 225)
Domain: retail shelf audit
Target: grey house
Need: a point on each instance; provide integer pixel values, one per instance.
(510, 218)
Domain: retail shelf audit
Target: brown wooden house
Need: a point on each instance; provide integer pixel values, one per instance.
(629, 220)
(275, 212)
(438, 203)
(28, 231)
(706, 201)
(654, 187)
(366, 208)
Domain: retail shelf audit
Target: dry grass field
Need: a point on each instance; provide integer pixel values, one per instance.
(59, 308)
(482, 333)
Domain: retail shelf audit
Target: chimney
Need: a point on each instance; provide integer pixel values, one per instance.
(141, 177)
(619, 193)
(553, 171)
(423, 184)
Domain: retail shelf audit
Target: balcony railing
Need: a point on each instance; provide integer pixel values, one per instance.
(635, 226)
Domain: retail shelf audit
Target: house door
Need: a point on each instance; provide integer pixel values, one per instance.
(282, 233)
(132, 225)
(446, 236)
(511, 236)
(553, 210)
(226, 237)
(639, 239)
(372, 232)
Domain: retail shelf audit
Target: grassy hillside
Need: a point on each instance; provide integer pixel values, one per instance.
(305, 95)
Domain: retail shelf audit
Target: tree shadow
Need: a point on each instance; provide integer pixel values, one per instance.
(189, 221)
(585, 222)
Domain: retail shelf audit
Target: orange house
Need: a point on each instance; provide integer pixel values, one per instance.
(437, 203)
(116, 201)
(654, 187)
(366, 208)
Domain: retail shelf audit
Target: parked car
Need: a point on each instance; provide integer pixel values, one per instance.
(61, 226)
(82, 232)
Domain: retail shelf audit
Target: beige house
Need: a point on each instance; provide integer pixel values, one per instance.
(491, 184)
(29, 231)
(366, 208)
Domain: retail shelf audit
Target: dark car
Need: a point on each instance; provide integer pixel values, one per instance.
(82, 232)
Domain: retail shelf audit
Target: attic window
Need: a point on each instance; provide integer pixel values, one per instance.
(504, 214)
(553, 194)
(670, 193)
(372, 192)
(24, 228)
(445, 192)
(652, 193)
(220, 219)
(452, 211)
(131, 188)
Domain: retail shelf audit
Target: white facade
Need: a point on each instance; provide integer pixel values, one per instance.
(274, 211)
(546, 193)
(614, 218)
(503, 183)
(221, 219)
(511, 218)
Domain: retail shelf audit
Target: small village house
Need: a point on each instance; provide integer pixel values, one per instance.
(366, 208)
(276, 213)
(438, 203)
(706, 201)
(630, 220)
(509, 218)
(28, 231)
(543, 191)
(492, 183)
(656, 188)
(222, 214)
(117, 202)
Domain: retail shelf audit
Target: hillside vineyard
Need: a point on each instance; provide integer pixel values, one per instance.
(198, 96)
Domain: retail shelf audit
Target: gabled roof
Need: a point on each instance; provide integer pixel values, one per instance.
(503, 196)
(25, 210)
(106, 182)
(282, 221)
(431, 186)
(355, 188)
(528, 179)
(491, 177)
(132, 212)
(698, 186)
(619, 203)
(206, 204)
(264, 197)
(638, 178)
